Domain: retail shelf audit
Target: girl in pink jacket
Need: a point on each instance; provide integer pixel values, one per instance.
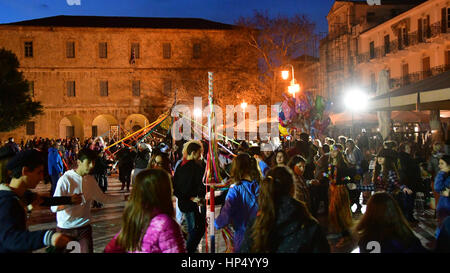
(148, 224)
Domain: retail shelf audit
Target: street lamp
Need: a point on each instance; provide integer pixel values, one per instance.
(355, 100)
(294, 87)
(244, 105)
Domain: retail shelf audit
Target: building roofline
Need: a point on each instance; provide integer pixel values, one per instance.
(123, 22)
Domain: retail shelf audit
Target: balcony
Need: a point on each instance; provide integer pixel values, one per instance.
(417, 76)
(395, 46)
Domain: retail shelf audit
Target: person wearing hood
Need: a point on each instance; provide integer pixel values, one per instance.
(241, 200)
(55, 166)
(282, 224)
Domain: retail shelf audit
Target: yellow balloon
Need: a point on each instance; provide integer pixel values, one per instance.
(283, 130)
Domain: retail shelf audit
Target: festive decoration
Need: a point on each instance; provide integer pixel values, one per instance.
(304, 113)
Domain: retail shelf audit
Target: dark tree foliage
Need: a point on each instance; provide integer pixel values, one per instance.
(16, 104)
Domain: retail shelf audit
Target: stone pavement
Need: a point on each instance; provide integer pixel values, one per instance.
(106, 222)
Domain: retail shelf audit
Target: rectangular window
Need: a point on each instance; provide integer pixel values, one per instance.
(30, 128)
(135, 50)
(405, 74)
(94, 131)
(104, 88)
(32, 88)
(167, 51)
(386, 45)
(448, 17)
(103, 50)
(426, 67)
(136, 88)
(70, 49)
(29, 49)
(372, 50)
(167, 88)
(197, 51)
(444, 20)
(71, 88)
(70, 131)
(420, 30)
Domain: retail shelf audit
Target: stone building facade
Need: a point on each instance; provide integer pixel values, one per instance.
(103, 75)
(339, 49)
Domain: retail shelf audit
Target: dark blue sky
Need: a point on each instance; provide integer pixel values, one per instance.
(225, 11)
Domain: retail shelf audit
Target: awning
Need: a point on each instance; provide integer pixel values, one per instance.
(429, 94)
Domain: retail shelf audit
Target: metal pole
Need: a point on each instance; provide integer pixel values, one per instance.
(212, 139)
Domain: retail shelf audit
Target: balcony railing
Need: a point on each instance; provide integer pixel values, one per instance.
(417, 76)
(413, 38)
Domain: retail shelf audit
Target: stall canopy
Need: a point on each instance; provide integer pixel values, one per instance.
(432, 93)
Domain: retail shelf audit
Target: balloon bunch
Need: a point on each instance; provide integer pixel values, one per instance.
(304, 113)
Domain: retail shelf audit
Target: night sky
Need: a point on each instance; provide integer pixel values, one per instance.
(225, 11)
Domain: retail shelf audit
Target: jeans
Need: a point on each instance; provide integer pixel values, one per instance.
(54, 178)
(195, 221)
(83, 235)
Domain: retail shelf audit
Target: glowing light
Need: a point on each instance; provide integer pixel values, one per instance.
(285, 74)
(292, 89)
(197, 112)
(356, 100)
(244, 105)
(416, 129)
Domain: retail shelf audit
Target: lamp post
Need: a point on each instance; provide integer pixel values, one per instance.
(294, 87)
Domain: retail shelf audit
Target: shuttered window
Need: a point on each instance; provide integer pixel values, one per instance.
(71, 88)
(70, 49)
(28, 49)
(104, 88)
(167, 51)
(136, 88)
(103, 50)
(30, 128)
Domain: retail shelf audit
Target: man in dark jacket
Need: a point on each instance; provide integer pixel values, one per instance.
(126, 157)
(27, 170)
(410, 175)
(190, 191)
(141, 160)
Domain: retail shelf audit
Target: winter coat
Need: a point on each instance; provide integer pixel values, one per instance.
(14, 235)
(163, 235)
(142, 158)
(240, 207)
(291, 234)
(126, 158)
(187, 183)
(55, 164)
(441, 182)
(409, 172)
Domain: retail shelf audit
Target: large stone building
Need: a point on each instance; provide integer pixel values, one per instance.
(339, 49)
(104, 75)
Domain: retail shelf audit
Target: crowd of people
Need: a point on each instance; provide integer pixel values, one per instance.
(271, 198)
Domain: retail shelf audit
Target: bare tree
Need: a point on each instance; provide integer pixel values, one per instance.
(277, 41)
